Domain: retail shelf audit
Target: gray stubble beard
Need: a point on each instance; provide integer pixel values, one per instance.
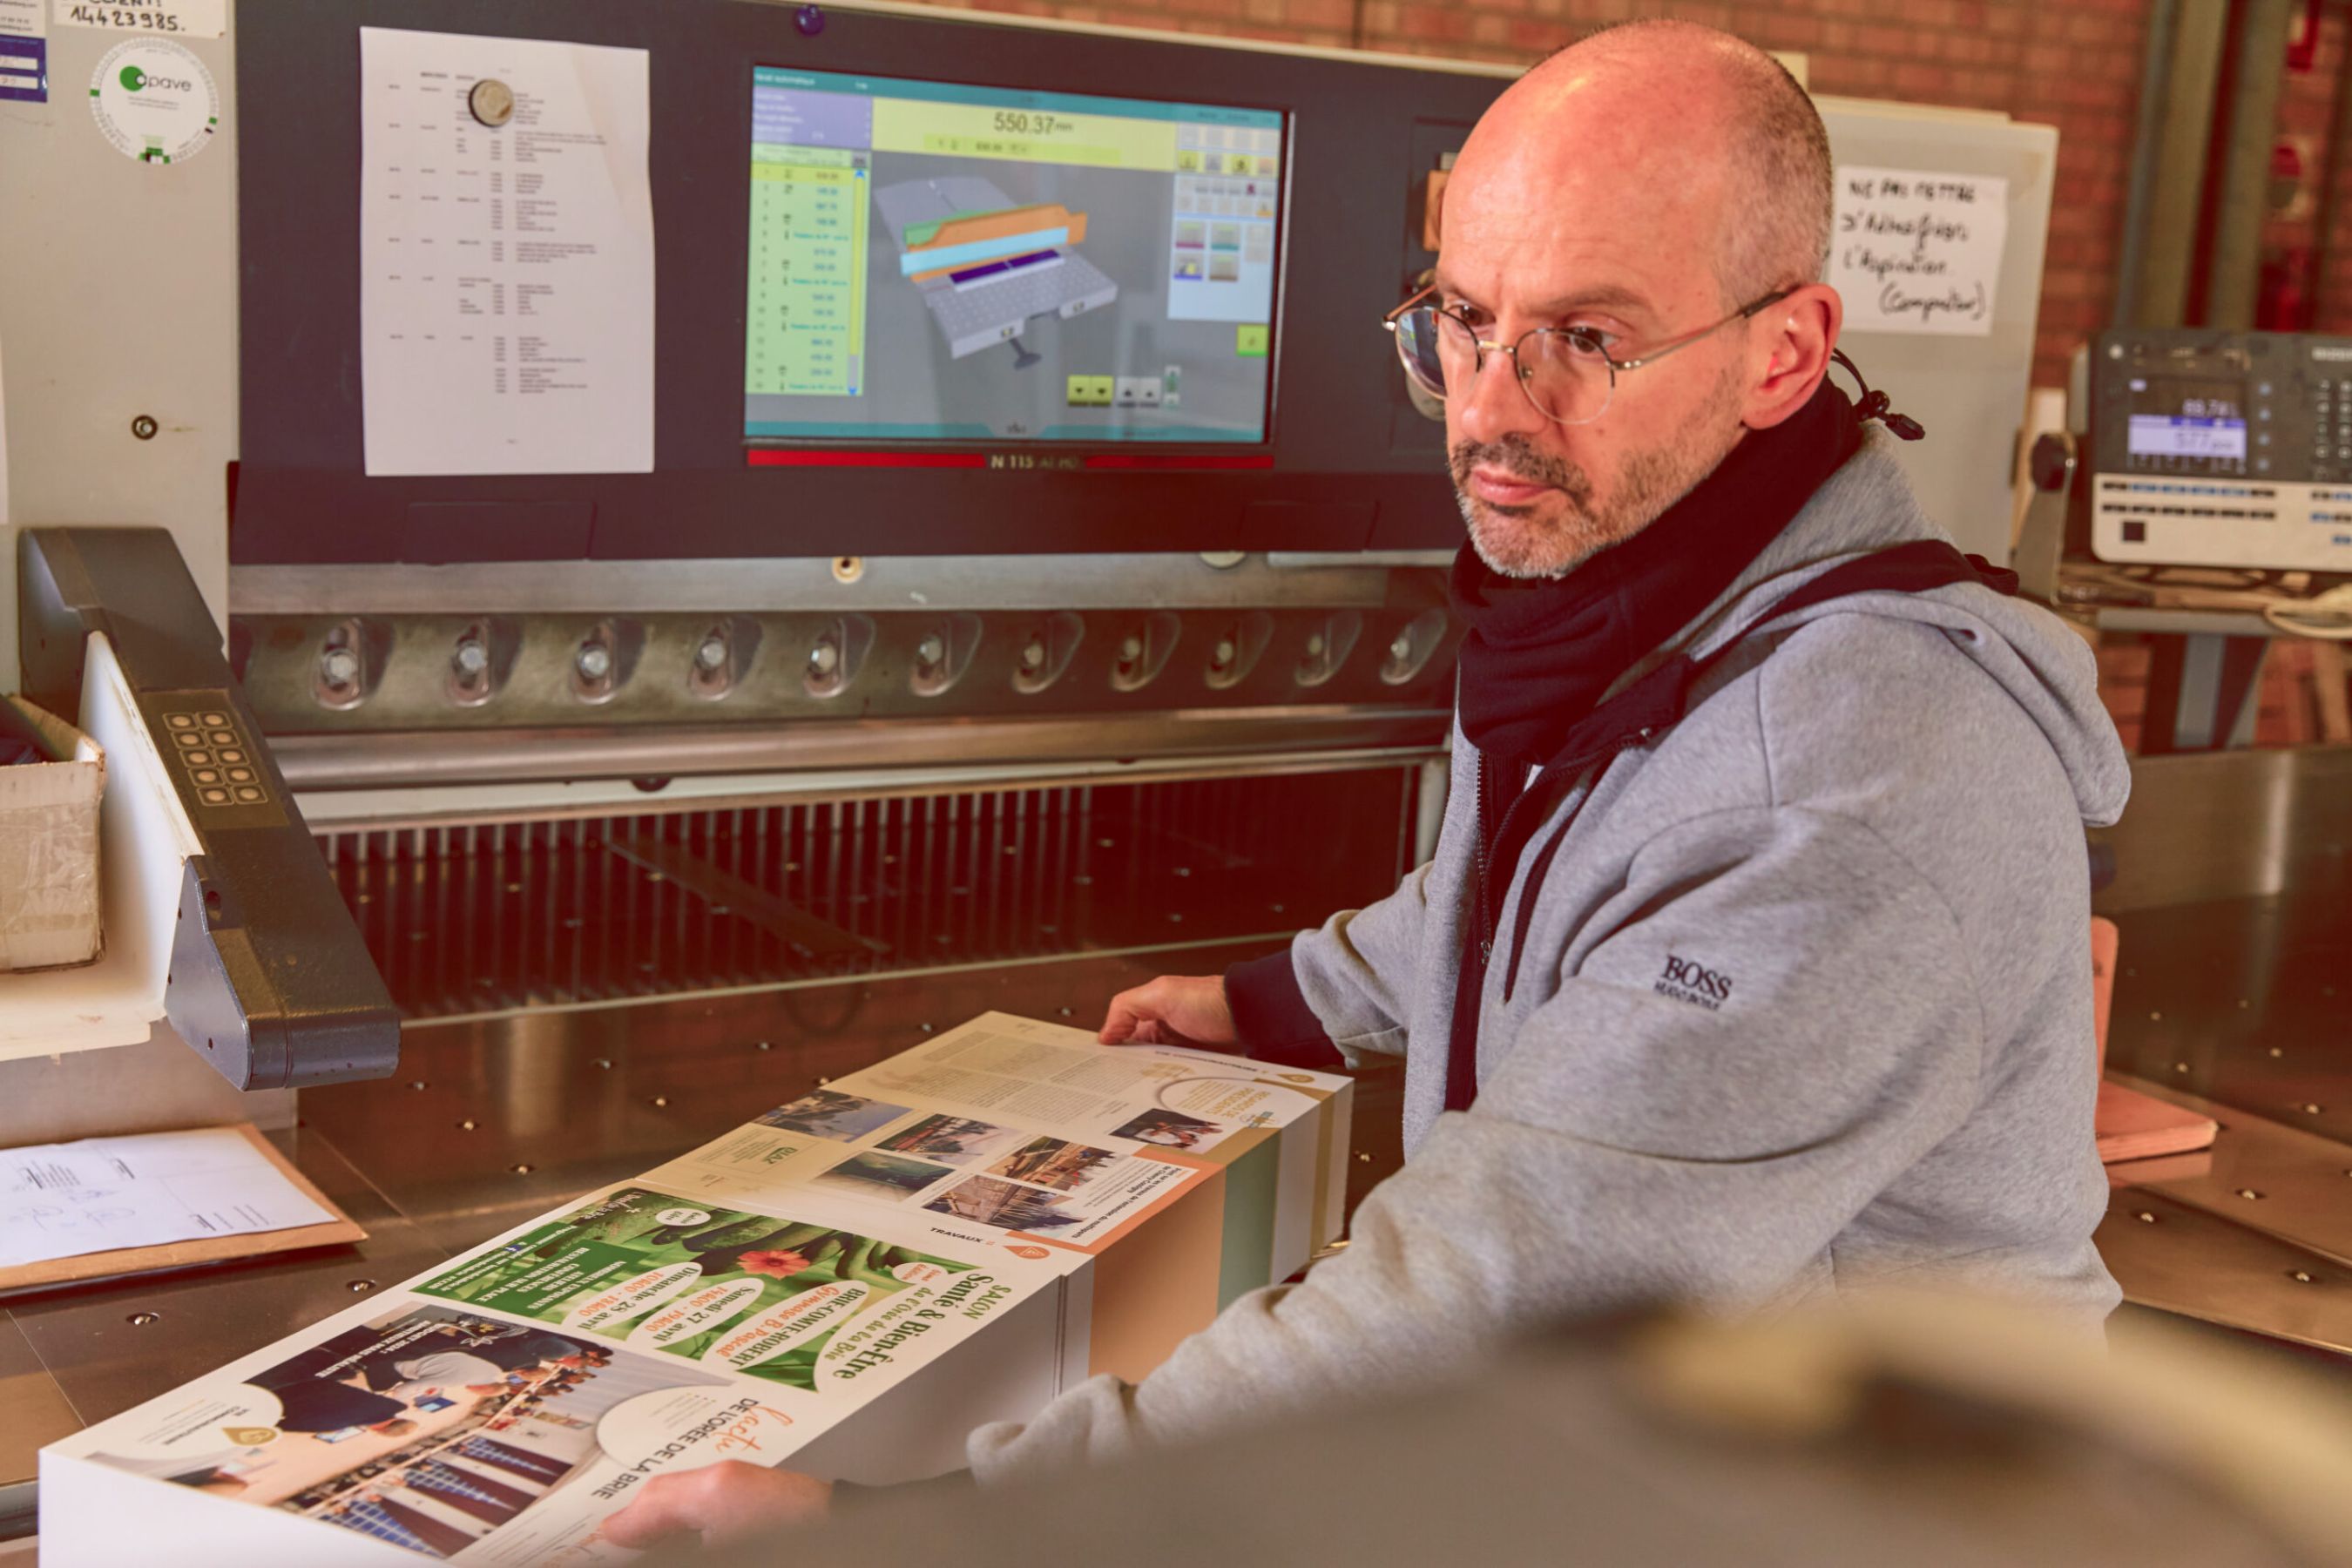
(1653, 481)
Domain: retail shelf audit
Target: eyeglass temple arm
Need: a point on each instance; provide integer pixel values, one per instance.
(1393, 317)
(1744, 313)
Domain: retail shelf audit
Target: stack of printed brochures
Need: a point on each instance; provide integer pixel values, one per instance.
(846, 1285)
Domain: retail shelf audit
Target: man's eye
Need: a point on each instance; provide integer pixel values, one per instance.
(1591, 343)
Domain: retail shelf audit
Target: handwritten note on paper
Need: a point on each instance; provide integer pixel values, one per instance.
(63, 1199)
(1917, 251)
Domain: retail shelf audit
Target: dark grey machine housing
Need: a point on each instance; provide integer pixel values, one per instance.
(270, 980)
(1353, 465)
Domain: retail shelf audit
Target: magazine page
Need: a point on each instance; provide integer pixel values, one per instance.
(499, 1408)
(1024, 1072)
(965, 1177)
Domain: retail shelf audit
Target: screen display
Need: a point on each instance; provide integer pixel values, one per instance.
(2182, 427)
(932, 262)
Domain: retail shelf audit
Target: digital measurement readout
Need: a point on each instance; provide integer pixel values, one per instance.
(2190, 427)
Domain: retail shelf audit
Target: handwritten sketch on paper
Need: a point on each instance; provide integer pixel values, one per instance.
(1918, 251)
(507, 256)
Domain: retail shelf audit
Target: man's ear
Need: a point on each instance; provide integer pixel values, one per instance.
(1794, 337)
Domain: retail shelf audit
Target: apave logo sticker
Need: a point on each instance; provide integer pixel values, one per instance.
(155, 101)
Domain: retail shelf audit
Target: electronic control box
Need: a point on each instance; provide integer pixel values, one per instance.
(2221, 448)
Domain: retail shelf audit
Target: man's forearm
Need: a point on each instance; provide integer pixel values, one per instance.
(1271, 1015)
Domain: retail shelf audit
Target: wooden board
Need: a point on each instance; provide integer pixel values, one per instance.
(336, 1232)
(2136, 1126)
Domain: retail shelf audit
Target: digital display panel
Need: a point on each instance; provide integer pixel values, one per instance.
(932, 262)
(2182, 427)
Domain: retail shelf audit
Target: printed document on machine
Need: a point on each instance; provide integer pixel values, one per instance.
(67, 1200)
(506, 255)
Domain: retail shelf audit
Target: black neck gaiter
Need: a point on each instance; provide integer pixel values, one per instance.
(1540, 654)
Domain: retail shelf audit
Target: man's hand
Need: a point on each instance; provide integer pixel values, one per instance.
(1173, 1010)
(722, 1503)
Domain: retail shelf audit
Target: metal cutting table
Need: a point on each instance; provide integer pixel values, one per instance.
(547, 1062)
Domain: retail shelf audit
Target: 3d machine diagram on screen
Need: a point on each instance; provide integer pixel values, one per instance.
(986, 266)
(935, 261)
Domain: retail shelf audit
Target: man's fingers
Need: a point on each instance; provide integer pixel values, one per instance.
(1131, 1012)
(667, 1506)
(1118, 1027)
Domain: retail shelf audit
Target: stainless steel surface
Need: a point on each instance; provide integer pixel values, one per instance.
(805, 667)
(2231, 826)
(492, 1121)
(2233, 995)
(2181, 623)
(563, 800)
(450, 757)
(805, 583)
(2287, 1182)
(2180, 1258)
(1317, 560)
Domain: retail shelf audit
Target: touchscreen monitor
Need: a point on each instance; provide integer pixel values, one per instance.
(932, 262)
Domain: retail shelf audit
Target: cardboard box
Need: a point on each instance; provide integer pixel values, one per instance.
(49, 842)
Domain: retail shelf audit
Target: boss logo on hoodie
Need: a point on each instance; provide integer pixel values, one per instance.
(1687, 980)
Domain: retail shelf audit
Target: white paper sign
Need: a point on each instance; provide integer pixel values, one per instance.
(506, 262)
(1917, 251)
(180, 18)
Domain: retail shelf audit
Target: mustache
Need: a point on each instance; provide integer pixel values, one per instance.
(1516, 455)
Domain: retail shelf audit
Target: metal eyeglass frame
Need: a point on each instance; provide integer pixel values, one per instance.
(1584, 337)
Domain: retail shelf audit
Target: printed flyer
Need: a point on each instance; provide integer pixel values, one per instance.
(754, 1299)
(503, 1405)
(956, 1171)
(450, 1432)
(750, 1293)
(1034, 1130)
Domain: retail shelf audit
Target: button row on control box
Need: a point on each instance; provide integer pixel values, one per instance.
(196, 720)
(2165, 488)
(241, 794)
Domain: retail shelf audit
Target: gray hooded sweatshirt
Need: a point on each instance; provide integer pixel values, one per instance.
(1804, 1006)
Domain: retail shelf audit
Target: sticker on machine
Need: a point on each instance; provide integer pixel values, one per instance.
(1918, 250)
(155, 101)
(24, 53)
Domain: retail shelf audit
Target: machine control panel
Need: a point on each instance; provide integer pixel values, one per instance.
(2221, 448)
(212, 758)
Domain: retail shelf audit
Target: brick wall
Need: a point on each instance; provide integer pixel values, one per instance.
(2074, 65)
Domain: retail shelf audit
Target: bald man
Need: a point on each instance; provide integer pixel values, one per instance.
(1753, 966)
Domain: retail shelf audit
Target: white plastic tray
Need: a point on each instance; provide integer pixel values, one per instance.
(144, 841)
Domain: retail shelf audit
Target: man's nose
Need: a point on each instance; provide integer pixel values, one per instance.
(1496, 405)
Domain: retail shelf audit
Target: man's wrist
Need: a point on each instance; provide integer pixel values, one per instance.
(1270, 1017)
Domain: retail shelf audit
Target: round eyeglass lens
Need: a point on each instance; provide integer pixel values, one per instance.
(1566, 374)
(1417, 346)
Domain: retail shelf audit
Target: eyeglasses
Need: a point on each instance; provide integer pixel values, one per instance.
(1566, 371)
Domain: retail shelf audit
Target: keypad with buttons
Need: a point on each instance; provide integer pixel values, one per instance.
(210, 751)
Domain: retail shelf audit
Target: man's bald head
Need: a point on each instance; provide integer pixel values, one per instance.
(1646, 190)
(1713, 99)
